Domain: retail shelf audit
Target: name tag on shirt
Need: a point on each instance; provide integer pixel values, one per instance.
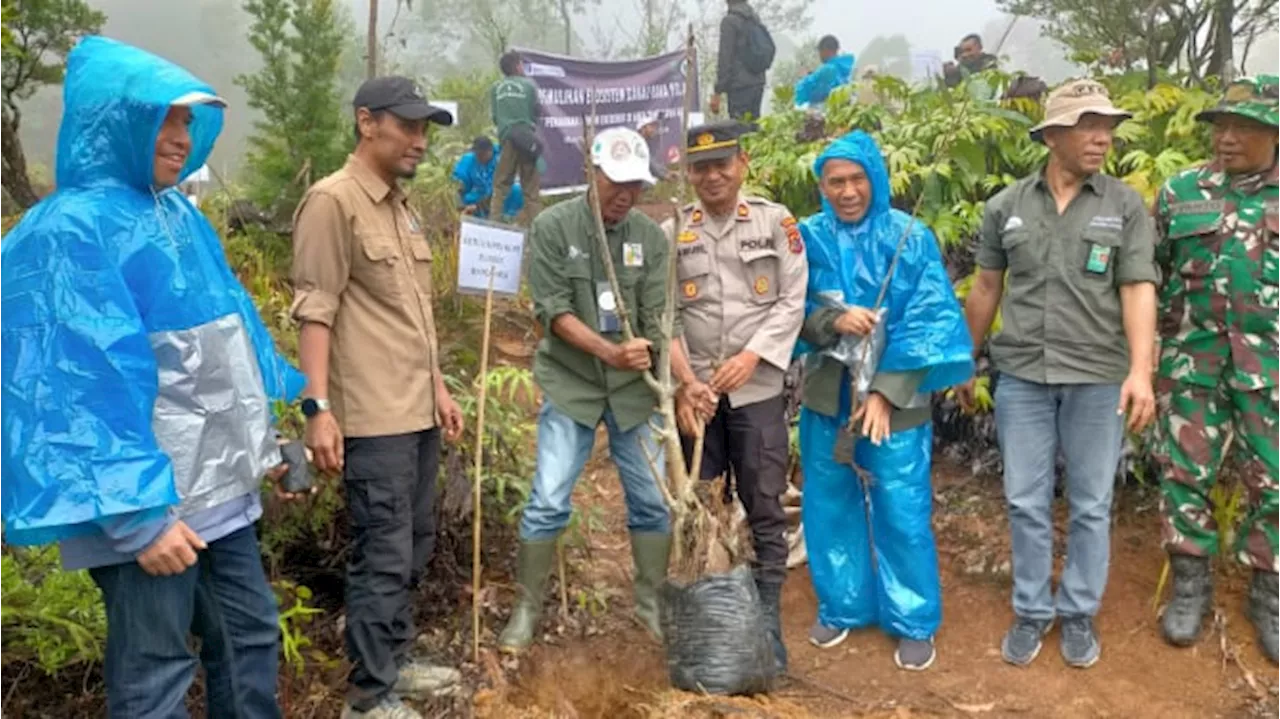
(606, 309)
(1099, 258)
(633, 254)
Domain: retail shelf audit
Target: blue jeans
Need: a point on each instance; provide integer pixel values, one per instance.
(224, 599)
(1033, 421)
(563, 449)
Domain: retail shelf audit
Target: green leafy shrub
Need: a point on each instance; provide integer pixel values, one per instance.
(51, 618)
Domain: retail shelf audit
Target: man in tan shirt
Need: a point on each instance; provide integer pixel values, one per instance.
(375, 400)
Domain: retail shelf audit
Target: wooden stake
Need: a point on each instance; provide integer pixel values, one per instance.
(479, 468)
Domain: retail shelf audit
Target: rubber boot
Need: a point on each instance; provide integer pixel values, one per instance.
(532, 570)
(1192, 599)
(650, 551)
(771, 605)
(1263, 606)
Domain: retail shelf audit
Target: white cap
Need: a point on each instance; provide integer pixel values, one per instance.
(198, 98)
(622, 155)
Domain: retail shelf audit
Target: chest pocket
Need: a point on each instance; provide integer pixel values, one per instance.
(378, 272)
(1271, 245)
(693, 267)
(422, 264)
(1195, 244)
(761, 269)
(1099, 251)
(1025, 256)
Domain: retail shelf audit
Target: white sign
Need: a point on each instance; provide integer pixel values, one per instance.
(488, 246)
(451, 106)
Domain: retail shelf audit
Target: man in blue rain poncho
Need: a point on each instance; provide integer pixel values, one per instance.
(920, 345)
(137, 381)
(474, 174)
(835, 70)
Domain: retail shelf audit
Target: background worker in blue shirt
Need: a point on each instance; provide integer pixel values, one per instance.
(474, 172)
(836, 69)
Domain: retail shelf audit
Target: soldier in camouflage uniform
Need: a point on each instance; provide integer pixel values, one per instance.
(1217, 379)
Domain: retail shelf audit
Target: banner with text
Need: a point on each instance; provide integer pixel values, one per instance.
(626, 92)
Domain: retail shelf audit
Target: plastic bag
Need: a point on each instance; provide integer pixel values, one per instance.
(716, 635)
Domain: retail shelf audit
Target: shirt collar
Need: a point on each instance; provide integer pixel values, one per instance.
(375, 187)
(1093, 182)
(1213, 177)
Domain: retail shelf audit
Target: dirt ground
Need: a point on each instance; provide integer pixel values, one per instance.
(607, 667)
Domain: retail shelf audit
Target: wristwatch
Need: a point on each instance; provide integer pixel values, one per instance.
(312, 406)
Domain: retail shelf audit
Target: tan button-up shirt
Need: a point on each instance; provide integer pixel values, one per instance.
(741, 286)
(362, 267)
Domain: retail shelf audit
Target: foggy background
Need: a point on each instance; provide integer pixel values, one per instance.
(429, 40)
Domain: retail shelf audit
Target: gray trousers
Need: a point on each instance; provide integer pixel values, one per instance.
(1034, 421)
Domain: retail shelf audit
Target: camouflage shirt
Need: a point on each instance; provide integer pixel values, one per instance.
(1218, 255)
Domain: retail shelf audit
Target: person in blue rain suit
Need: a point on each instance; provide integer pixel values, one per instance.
(138, 383)
(924, 347)
(474, 175)
(835, 70)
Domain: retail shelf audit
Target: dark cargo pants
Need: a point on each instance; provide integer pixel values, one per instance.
(745, 102)
(390, 484)
(752, 440)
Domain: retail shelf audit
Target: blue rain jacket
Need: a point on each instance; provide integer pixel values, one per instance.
(136, 372)
(814, 88)
(924, 330)
(476, 183)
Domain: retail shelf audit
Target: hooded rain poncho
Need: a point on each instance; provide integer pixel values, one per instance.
(923, 330)
(137, 374)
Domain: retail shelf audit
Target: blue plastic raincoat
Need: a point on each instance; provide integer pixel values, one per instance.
(814, 88)
(475, 181)
(137, 374)
(924, 330)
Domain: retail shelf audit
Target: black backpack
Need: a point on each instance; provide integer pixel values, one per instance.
(757, 56)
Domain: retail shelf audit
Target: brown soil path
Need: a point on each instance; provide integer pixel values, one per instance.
(596, 663)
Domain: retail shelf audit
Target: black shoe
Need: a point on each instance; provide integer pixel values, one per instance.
(1192, 599)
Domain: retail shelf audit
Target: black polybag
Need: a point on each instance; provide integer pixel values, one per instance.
(716, 635)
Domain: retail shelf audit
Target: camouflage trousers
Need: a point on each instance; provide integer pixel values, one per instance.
(1195, 426)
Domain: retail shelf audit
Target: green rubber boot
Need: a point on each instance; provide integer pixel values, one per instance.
(650, 551)
(531, 573)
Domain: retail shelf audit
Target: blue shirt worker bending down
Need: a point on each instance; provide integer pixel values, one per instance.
(474, 175)
(835, 70)
(925, 348)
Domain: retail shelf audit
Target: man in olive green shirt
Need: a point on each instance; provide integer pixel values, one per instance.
(513, 105)
(588, 374)
(1074, 356)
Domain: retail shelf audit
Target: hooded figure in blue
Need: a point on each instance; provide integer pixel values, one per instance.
(138, 380)
(835, 70)
(870, 544)
(474, 174)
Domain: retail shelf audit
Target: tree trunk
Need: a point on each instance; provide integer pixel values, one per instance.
(1225, 41)
(15, 180)
(371, 66)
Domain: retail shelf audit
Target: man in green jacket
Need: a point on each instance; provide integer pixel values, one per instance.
(589, 374)
(1217, 379)
(513, 104)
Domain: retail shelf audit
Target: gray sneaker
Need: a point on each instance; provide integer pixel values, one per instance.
(389, 708)
(824, 637)
(420, 680)
(915, 655)
(1021, 644)
(1080, 645)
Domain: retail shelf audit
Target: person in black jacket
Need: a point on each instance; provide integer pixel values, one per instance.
(744, 88)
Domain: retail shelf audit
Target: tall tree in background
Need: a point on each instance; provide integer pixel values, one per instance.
(890, 54)
(1198, 35)
(37, 35)
(301, 134)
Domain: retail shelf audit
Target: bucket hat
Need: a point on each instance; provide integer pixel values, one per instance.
(1072, 101)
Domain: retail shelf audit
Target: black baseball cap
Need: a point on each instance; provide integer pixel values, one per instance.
(401, 97)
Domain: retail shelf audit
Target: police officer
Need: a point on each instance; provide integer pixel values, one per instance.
(741, 274)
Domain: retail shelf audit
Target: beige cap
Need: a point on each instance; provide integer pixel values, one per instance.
(1073, 100)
